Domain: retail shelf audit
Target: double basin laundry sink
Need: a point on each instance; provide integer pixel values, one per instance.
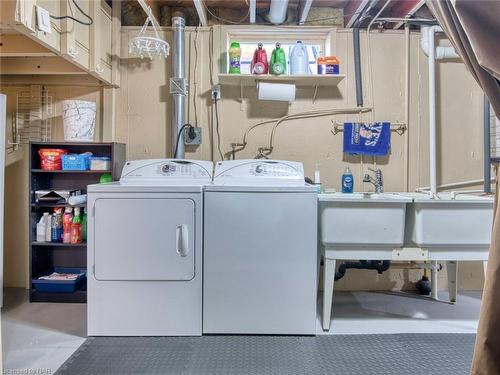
(392, 220)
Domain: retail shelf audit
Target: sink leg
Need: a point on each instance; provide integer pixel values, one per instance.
(328, 281)
(452, 270)
(434, 280)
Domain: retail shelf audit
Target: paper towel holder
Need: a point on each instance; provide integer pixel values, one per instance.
(287, 95)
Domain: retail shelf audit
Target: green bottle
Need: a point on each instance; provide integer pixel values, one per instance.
(234, 58)
(84, 225)
(278, 60)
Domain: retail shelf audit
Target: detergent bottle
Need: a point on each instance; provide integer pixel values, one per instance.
(84, 225)
(76, 227)
(278, 60)
(259, 63)
(299, 60)
(67, 219)
(234, 58)
(347, 181)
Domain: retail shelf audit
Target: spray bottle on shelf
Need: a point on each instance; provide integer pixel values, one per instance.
(259, 63)
(76, 227)
(67, 219)
(347, 181)
(278, 60)
(84, 225)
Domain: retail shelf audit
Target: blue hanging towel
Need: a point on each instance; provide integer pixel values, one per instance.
(367, 139)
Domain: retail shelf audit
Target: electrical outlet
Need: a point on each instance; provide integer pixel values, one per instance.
(43, 20)
(192, 141)
(216, 92)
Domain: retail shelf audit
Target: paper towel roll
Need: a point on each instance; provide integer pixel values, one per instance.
(276, 91)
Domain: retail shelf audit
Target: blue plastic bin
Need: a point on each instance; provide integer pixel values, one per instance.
(76, 162)
(64, 286)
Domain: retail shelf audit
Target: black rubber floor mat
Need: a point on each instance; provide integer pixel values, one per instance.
(400, 354)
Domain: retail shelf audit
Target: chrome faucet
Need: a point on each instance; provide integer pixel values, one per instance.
(378, 181)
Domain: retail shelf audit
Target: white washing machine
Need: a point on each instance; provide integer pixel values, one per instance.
(260, 249)
(145, 250)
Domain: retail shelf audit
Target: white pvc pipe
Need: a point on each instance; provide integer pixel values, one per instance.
(277, 11)
(432, 112)
(427, 33)
(407, 109)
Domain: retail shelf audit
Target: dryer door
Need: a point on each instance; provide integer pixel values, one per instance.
(144, 239)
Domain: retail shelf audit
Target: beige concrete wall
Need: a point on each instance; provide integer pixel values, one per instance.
(144, 108)
(16, 223)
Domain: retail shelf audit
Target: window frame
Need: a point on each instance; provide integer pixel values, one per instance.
(322, 36)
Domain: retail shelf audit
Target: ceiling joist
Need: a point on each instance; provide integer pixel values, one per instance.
(406, 9)
(304, 8)
(353, 11)
(253, 10)
(202, 12)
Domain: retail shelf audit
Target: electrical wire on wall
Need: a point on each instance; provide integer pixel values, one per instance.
(86, 23)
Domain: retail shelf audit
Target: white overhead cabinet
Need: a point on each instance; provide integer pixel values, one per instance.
(70, 47)
(21, 15)
(101, 33)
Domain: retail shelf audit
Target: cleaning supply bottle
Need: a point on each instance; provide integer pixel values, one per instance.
(317, 179)
(41, 228)
(347, 181)
(234, 58)
(84, 225)
(48, 227)
(299, 60)
(67, 219)
(76, 227)
(277, 64)
(56, 227)
(259, 63)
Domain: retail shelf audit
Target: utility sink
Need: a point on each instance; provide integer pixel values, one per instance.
(362, 220)
(449, 220)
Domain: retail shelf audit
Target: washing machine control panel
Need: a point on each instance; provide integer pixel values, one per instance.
(259, 171)
(168, 170)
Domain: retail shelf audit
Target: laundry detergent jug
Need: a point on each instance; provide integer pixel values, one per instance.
(278, 60)
(299, 60)
(259, 63)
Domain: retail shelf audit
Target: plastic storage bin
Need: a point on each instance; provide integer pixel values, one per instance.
(100, 163)
(50, 158)
(76, 162)
(61, 286)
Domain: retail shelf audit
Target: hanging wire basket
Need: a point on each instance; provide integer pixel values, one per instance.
(149, 46)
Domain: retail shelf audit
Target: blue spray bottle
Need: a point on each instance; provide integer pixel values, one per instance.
(347, 181)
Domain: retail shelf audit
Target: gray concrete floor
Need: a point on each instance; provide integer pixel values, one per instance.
(44, 335)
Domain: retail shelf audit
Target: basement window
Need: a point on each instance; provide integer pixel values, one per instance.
(315, 39)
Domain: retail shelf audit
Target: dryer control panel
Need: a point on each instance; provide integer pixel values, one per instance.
(166, 171)
(259, 172)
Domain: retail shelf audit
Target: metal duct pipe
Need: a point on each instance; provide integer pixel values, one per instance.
(487, 149)
(277, 11)
(357, 67)
(178, 85)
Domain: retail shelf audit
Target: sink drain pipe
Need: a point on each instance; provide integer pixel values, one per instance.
(378, 265)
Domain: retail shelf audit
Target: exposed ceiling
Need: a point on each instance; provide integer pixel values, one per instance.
(344, 13)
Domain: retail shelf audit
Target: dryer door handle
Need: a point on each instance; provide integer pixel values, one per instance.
(182, 240)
